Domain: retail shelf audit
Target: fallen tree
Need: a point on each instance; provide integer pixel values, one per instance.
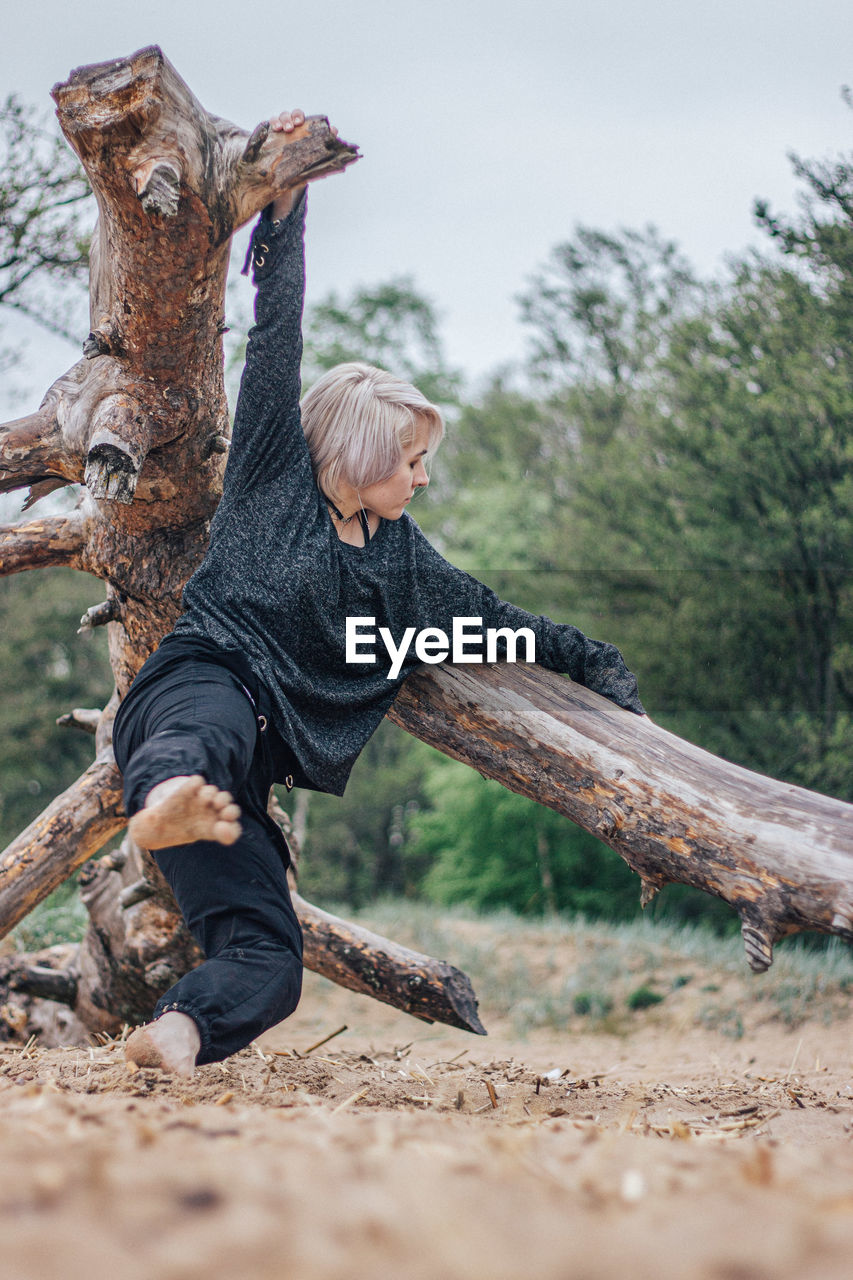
(142, 423)
(780, 855)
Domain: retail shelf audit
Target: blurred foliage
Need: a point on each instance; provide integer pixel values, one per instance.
(46, 215)
(45, 670)
(489, 847)
(390, 325)
(359, 847)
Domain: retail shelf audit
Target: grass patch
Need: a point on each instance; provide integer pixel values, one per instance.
(643, 997)
(60, 918)
(568, 971)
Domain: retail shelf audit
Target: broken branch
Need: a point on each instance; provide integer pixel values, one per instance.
(43, 544)
(780, 855)
(32, 452)
(365, 962)
(44, 983)
(76, 825)
(81, 718)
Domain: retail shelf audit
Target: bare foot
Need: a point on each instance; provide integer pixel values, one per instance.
(170, 1043)
(183, 810)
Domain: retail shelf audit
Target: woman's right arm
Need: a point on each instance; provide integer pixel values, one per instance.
(267, 436)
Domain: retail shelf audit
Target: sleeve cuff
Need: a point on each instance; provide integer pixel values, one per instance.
(266, 231)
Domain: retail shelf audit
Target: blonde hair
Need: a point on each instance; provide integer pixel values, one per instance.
(358, 419)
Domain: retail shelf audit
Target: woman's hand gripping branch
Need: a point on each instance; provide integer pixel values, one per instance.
(289, 122)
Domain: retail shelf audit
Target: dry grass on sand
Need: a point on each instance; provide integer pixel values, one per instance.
(707, 1133)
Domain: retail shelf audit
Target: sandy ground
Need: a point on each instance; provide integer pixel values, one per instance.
(406, 1150)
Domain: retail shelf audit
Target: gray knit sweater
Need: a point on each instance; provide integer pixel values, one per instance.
(277, 584)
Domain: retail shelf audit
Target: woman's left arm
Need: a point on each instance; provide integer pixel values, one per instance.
(267, 436)
(446, 593)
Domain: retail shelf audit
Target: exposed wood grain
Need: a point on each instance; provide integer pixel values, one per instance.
(780, 855)
(75, 825)
(363, 961)
(39, 544)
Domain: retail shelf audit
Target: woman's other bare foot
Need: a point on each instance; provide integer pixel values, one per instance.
(170, 1043)
(183, 810)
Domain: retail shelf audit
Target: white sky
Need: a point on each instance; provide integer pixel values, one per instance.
(488, 129)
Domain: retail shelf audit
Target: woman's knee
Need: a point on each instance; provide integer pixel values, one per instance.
(169, 731)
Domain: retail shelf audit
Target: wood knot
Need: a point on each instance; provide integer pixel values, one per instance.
(137, 892)
(100, 342)
(256, 141)
(215, 444)
(114, 861)
(98, 615)
(608, 824)
(161, 192)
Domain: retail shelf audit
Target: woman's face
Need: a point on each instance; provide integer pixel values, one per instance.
(389, 498)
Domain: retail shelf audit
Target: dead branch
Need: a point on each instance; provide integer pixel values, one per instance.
(98, 615)
(780, 855)
(84, 718)
(73, 827)
(45, 984)
(43, 544)
(33, 452)
(365, 962)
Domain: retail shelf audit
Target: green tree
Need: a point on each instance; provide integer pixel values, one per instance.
(45, 670)
(491, 848)
(391, 325)
(707, 434)
(359, 847)
(46, 211)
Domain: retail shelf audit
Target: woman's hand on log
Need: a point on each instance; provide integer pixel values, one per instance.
(288, 122)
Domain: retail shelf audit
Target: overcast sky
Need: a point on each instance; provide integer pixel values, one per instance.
(489, 129)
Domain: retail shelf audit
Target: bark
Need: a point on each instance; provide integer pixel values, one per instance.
(125, 893)
(32, 450)
(364, 962)
(42, 544)
(145, 408)
(76, 825)
(780, 855)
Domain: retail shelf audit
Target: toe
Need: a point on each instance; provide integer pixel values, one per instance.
(208, 793)
(227, 832)
(222, 799)
(230, 813)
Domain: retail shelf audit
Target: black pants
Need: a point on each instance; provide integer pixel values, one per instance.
(187, 715)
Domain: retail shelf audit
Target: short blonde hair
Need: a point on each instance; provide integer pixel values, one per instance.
(358, 419)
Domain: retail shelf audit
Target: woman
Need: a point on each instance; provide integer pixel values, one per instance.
(263, 678)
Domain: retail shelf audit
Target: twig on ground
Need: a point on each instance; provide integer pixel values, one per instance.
(325, 1040)
(354, 1097)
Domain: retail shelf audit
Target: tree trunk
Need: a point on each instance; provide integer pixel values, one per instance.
(141, 421)
(142, 411)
